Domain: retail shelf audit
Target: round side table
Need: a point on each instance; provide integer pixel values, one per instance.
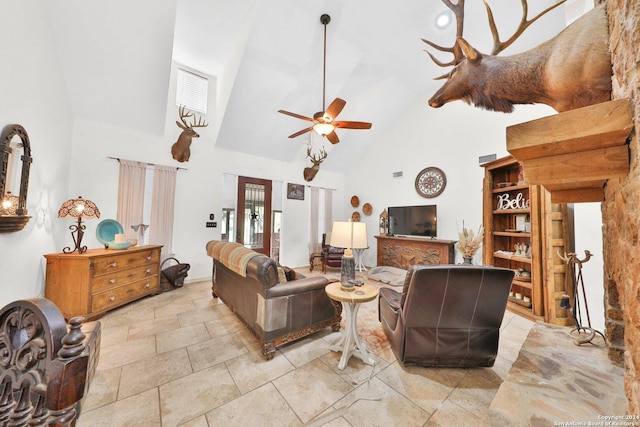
(351, 300)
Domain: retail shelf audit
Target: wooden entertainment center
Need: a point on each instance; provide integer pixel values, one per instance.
(402, 252)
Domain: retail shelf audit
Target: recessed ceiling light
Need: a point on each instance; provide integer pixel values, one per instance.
(443, 19)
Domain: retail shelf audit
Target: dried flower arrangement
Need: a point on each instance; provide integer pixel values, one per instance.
(469, 243)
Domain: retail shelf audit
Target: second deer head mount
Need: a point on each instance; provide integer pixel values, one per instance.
(570, 71)
(181, 150)
(310, 173)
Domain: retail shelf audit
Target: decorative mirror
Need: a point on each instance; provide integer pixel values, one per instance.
(14, 181)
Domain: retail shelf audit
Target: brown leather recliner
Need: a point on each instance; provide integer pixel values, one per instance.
(446, 315)
(332, 256)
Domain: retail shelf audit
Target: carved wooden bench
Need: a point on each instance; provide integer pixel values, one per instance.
(45, 366)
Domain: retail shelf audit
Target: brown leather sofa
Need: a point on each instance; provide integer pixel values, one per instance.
(446, 315)
(277, 310)
(332, 256)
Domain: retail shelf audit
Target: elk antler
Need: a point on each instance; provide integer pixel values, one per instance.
(458, 11)
(499, 46)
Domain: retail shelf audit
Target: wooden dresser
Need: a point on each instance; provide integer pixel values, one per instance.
(98, 280)
(405, 251)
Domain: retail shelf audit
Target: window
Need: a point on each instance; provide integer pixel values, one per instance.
(192, 91)
(228, 219)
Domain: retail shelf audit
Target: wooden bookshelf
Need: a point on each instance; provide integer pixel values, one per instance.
(524, 232)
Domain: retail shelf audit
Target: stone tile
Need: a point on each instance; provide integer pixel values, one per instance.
(303, 351)
(312, 388)
(182, 337)
(188, 397)
(103, 389)
(152, 327)
(261, 407)
(450, 414)
(200, 421)
(200, 315)
(113, 335)
(217, 350)
(356, 372)
(559, 382)
(376, 404)
(251, 371)
(127, 315)
(173, 308)
(475, 392)
(413, 383)
(150, 373)
(227, 324)
(141, 410)
(127, 352)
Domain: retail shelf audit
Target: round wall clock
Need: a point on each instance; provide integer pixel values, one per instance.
(430, 182)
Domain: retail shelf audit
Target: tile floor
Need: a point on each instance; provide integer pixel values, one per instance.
(183, 359)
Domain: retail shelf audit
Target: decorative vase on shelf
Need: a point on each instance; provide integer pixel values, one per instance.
(467, 260)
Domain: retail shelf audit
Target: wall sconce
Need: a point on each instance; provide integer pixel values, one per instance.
(78, 208)
(9, 204)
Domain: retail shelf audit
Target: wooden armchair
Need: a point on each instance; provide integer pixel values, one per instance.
(45, 367)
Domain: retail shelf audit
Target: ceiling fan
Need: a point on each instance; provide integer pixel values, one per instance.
(324, 122)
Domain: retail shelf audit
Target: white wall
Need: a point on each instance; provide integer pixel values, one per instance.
(451, 138)
(198, 188)
(34, 96)
(588, 236)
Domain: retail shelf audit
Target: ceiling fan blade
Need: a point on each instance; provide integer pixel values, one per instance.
(352, 125)
(335, 107)
(297, 116)
(303, 131)
(333, 137)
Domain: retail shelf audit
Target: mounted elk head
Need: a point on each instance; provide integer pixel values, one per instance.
(310, 173)
(180, 150)
(571, 70)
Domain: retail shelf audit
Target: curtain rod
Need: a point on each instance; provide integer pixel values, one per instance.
(147, 163)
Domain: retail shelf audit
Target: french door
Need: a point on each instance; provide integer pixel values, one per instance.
(254, 214)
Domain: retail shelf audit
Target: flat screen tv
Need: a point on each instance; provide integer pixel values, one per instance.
(419, 221)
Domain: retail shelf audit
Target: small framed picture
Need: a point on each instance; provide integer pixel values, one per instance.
(295, 191)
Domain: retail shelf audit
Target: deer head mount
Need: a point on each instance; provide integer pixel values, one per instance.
(310, 173)
(180, 150)
(570, 71)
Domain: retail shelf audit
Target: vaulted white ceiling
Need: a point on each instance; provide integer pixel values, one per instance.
(266, 55)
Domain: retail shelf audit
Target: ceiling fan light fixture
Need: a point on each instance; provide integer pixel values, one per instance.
(323, 128)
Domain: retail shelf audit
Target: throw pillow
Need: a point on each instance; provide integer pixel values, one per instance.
(282, 276)
(291, 273)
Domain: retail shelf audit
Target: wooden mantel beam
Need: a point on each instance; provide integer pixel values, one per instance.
(572, 154)
(607, 124)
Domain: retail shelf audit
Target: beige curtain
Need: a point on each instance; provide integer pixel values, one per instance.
(328, 211)
(314, 244)
(131, 195)
(162, 209)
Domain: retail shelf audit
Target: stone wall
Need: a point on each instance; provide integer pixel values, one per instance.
(621, 209)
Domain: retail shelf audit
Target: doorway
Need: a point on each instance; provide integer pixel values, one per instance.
(254, 214)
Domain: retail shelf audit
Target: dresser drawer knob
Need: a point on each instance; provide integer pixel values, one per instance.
(113, 264)
(149, 258)
(147, 271)
(112, 281)
(148, 285)
(112, 298)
